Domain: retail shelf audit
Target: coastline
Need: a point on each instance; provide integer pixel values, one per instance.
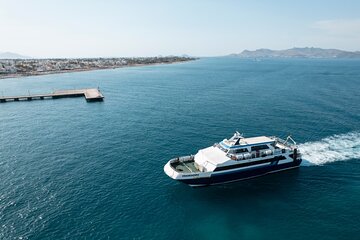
(38, 73)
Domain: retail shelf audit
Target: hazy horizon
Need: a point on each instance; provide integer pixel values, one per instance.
(81, 29)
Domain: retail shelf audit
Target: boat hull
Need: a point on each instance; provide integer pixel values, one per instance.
(238, 175)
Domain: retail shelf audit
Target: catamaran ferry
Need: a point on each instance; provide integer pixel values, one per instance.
(235, 159)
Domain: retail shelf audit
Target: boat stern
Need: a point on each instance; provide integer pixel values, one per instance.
(170, 171)
(184, 170)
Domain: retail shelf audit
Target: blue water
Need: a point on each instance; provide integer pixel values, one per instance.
(76, 170)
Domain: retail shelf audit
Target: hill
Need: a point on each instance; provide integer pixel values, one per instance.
(10, 55)
(298, 53)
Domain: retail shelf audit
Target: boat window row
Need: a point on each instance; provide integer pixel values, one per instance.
(240, 150)
(246, 164)
(259, 147)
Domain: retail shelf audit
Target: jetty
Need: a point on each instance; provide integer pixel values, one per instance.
(90, 94)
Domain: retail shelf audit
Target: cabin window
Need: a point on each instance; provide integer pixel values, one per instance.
(222, 148)
(245, 164)
(241, 150)
(260, 147)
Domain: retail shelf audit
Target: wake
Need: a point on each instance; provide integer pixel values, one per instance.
(339, 147)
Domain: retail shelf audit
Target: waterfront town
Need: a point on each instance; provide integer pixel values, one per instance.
(30, 67)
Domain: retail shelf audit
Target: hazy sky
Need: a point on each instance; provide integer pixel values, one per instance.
(89, 28)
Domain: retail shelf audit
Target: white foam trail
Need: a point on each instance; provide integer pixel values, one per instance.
(330, 149)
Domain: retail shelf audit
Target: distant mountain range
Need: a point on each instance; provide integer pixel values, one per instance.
(10, 55)
(298, 53)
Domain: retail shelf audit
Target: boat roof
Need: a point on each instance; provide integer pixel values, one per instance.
(256, 140)
(238, 141)
(213, 155)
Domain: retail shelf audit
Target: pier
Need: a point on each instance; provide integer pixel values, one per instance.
(90, 94)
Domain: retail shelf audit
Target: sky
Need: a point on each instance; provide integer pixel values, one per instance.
(109, 28)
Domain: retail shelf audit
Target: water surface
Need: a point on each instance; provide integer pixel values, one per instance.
(77, 170)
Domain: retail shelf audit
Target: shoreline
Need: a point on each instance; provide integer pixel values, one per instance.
(24, 75)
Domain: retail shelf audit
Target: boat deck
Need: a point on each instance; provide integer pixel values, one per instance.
(184, 166)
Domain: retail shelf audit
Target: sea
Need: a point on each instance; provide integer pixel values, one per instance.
(76, 170)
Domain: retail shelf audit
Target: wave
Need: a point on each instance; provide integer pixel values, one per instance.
(338, 147)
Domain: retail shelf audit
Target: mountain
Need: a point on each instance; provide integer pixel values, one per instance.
(10, 55)
(298, 53)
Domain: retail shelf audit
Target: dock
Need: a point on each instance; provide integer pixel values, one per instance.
(90, 94)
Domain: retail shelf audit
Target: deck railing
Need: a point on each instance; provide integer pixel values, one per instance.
(286, 142)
